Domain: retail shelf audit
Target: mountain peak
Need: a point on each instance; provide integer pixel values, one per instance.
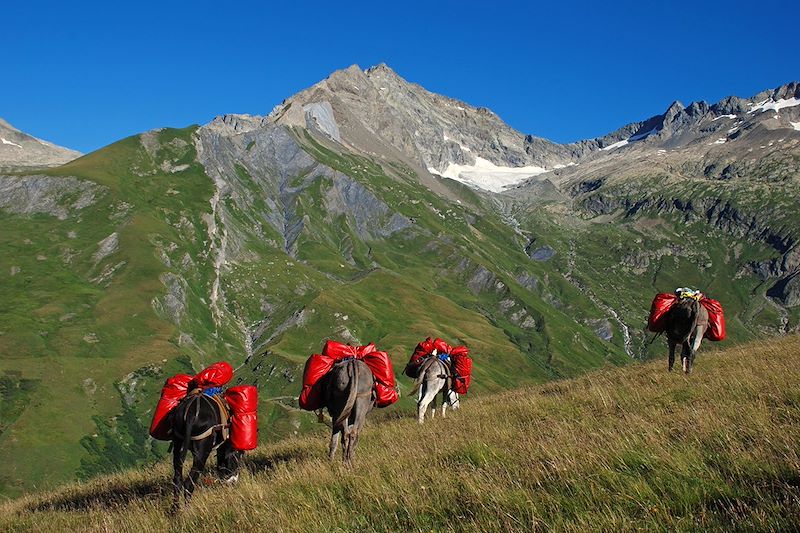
(381, 68)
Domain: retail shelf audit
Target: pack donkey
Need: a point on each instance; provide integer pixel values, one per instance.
(349, 397)
(200, 425)
(687, 321)
(435, 376)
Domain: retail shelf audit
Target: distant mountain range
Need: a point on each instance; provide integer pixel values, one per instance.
(366, 208)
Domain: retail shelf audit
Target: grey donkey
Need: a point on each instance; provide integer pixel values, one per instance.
(687, 322)
(349, 398)
(434, 377)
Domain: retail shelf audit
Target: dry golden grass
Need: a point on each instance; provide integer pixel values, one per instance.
(621, 449)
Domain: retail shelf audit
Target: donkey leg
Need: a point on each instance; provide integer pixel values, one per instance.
(198, 465)
(444, 402)
(335, 436)
(698, 338)
(671, 355)
(178, 456)
(686, 351)
(347, 443)
(422, 403)
(228, 461)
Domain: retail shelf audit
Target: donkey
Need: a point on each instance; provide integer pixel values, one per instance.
(687, 322)
(200, 425)
(349, 398)
(434, 376)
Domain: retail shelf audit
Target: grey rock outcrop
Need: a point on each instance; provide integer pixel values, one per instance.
(52, 195)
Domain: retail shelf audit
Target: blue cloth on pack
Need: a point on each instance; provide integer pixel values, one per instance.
(212, 391)
(444, 357)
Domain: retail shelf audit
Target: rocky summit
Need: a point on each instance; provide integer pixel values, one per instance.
(368, 209)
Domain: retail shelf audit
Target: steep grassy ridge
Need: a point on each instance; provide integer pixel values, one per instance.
(618, 449)
(81, 339)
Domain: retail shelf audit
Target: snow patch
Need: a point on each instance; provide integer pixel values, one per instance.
(641, 136)
(719, 141)
(618, 144)
(632, 138)
(6, 141)
(768, 105)
(795, 125)
(486, 175)
(723, 116)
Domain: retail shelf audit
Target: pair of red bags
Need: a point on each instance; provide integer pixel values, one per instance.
(242, 399)
(663, 302)
(318, 365)
(459, 355)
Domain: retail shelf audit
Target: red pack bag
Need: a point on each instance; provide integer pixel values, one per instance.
(215, 375)
(422, 350)
(657, 321)
(459, 350)
(317, 366)
(171, 395)
(243, 401)
(441, 346)
(337, 350)
(462, 365)
(716, 320)
(385, 386)
(361, 351)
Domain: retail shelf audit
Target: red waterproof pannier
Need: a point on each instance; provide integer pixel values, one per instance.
(216, 375)
(422, 350)
(462, 366)
(657, 321)
(381, 367)
(243, 401)
(171, 395)
(441, 346)
(316, 367)
(716, 320)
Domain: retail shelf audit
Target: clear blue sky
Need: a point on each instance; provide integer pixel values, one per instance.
(84, 74)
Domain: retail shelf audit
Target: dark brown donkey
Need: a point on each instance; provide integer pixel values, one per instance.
(349, 398)
(687, 322)
(200, 425)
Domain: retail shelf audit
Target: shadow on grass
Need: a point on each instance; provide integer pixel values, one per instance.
(123, 494)
(268, 463)
(106, 497)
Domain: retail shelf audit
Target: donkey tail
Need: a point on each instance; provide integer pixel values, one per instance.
(417, 383)
(187, 424)
(352, 373)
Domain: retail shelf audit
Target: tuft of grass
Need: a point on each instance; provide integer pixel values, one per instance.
(634, 448)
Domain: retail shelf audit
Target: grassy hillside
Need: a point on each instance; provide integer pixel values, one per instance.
(617, 449)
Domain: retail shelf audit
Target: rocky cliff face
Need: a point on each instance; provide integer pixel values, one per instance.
(20, 150)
